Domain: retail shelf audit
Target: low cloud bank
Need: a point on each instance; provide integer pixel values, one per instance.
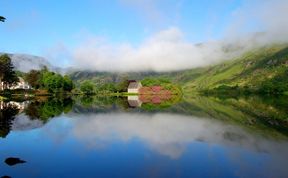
(255, 24)
(164, 51)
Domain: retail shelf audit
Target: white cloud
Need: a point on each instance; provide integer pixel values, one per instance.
(269, 16)
(163, 51)
(167, 50)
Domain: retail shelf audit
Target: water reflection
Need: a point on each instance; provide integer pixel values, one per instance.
(27, 115)
(7, 114)
(168, 134)
(265, 116)
(134, 101)
(222, 137)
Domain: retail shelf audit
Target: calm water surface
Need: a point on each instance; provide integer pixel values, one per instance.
(113, 137)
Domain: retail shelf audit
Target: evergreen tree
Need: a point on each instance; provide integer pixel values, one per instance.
(7, 74)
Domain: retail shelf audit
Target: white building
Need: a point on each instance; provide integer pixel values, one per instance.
(134, 86)
(19, 85)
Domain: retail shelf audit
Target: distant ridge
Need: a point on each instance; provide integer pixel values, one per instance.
(26, 62)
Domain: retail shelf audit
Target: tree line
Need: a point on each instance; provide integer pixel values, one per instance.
(48, 80)
(88, 87)
(38, 79)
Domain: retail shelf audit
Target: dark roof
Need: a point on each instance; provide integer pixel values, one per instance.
(133, 85)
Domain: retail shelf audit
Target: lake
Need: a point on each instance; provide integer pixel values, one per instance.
(193, 136)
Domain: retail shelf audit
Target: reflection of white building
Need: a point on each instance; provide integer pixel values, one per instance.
(18, 105)
(134, 101)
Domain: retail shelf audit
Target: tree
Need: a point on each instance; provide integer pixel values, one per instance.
(33, 78)
(2, 19)
(87, 87)
(51, 81)
(107, 88)
(7, 74)
(68, 83)
(123, 85)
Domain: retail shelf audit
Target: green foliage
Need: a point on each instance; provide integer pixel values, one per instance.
(87, 87)
(34, 78)
(45, 79)
(277, 85)
(123, 85)
(7, 74)
(87, 101)
(52, 81)
(107, 88)
(155, 81)
(44, 110)
(68, 84)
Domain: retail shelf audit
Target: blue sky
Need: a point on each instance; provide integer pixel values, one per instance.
(63, 31)
(34, 25)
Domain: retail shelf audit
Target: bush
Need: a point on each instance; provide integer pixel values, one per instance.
(87, 87)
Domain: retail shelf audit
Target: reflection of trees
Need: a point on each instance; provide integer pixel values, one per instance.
(38, 109)
(86, 101)
(93, 104)
(7, 115)
(44, 110)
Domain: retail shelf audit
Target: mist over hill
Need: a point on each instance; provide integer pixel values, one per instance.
(27, 62)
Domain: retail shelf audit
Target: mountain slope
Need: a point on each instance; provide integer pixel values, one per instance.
(26, 62)
(250, 70)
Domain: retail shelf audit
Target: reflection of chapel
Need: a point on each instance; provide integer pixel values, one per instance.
(134, 101)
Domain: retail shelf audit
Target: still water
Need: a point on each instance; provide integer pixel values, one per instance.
(125, 137)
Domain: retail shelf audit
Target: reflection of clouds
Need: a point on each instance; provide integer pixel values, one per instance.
(165, 133)
(23, 122)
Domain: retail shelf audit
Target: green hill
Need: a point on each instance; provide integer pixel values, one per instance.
(263, 69)
(252, 71)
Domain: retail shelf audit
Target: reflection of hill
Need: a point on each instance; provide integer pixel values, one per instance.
(253, 113)
(261, 115)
